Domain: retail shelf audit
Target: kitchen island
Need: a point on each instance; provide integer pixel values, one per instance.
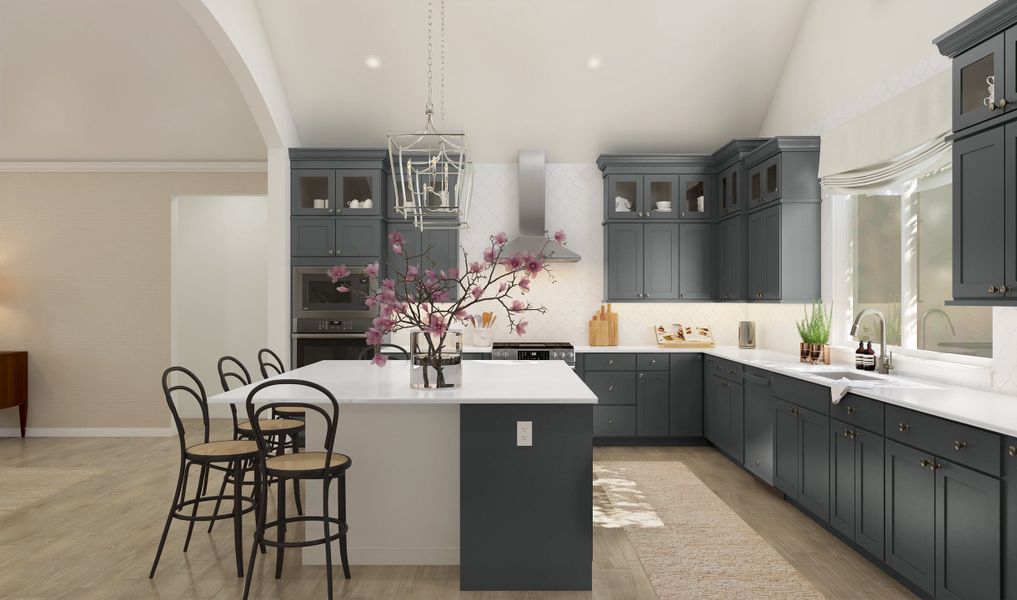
(438, 476)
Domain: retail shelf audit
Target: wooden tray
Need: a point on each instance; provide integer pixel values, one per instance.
(686, 345)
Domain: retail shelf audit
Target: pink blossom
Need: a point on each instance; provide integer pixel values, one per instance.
(371, 270)
(513, 263)
(342, 289)
(489, 255)
(396, 238)
(370, 301)
(440, 296)
(476, 267)
(534, 266)
(411, 272)
(502, 287)
(379, 359)
(524, 284)
(521, 327)
(453, 273)
(373, 337)
(337, 273)
(559, 236)
(501, 238)
(477, 292)
(437, 325)
(517, 305)
(388, 284)
(462, 315)
(397, 248)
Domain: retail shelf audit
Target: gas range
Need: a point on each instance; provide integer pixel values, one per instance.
(534, 351)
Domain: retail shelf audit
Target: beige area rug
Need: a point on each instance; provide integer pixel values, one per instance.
(691, 544)
(26, 487)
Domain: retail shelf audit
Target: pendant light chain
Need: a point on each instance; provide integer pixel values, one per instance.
(443, 64)
(429, 107)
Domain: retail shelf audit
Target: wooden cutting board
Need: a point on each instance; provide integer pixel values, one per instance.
(603, 327)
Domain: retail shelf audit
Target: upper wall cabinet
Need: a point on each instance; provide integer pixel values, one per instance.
(338, 182)
(312, 191)
(784, 168)
(658, 187)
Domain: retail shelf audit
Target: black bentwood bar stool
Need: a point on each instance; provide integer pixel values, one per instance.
(276, 431)
(206, 455)
(370, 351)
(327, 466)
(271, 365)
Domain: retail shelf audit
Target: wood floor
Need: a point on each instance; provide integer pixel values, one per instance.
(96, 540)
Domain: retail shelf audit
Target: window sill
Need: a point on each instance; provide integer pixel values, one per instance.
(955, 369)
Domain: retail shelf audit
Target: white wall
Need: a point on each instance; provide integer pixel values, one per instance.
(219, 284)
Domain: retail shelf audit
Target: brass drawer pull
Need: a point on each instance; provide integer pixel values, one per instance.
(1012, 450)
(959, 445)
(851, 410)
(610, 388)
(902, 427)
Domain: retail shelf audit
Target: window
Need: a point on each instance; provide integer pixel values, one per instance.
(899, 259)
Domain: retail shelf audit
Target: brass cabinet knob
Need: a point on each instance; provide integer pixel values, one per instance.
(926, 463)
(1012, 450)
(640, 375)
(902, 427)
(959, 445)
(1002, 103)
(653, 361)
(681, 295)
(610, 421)
(992, 289)
(610, 362)
(610, 388)
(851, 410)
(1002, 289)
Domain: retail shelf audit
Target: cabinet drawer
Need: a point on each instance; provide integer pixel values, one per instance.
(728, 369)
(969, 446)
(614, 421)
(611, 387)
(812, 396)
(610, 362)
(860, 412)
(652, 362)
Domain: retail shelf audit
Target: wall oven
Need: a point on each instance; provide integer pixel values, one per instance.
(309, 348)
(316, 297)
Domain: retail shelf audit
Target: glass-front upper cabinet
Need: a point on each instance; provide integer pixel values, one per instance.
(312, 191)
(659, 196)
(756, 185)
(694, 196)
(729, 191)
(979, 85)
(624, 196)
(359, 193)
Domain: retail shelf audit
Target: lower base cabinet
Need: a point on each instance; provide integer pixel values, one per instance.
(856, 485)
(758, 426)
(801, 457)
(726, 417)
(652, 404)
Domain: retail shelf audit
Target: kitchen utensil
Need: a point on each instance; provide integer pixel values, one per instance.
(603, 328)
(746, 334)
(622, 204)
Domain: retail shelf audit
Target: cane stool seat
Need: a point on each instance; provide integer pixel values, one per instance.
(224, 450)
(306, 462)
(272, 426)
(290, 411)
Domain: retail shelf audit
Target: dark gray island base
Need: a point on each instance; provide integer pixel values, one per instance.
(526, 512)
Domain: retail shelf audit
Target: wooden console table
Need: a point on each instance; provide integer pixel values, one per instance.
(14, 384)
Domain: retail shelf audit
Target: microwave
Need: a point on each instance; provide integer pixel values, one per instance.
(316, 297)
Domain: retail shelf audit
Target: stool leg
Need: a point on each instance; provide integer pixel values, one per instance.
(342, 517)
(238, 517)
(281, 528)
(328, 544)
(222, 491)
(296, 482)
(169, 519)
(202, 482)
(260, 499)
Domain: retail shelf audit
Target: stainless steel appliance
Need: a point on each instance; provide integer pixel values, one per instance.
(746, 334)
(316, 297)
(309, 348)
(534, 351)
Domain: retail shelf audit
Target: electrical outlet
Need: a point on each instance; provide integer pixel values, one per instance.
(524, 433)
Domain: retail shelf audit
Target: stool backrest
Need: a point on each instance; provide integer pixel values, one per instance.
(232, 370)
(370, 351)
(190, 388)
(270, 363)
(330, 412)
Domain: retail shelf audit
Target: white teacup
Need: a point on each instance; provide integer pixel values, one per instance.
(354, 203)
(622, 204)
(664, 205)
(367, 203)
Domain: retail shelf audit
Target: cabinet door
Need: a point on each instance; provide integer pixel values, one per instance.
(695, 193)
(756, 186)
(312, 191)
(980, 247)
(411, 247)
(685, 411)
(968, 545)
(660, 196)
(771, 179)
(1009, 209)
(353, 188)
(722, 415)
(624, 256)
(624, 196)
(730, 194)
(709, 399)
(771, 248)
(442, 247)
(972, 100)
(652, 404)
(360, 238)
(786, 449)
(869, 497)
(695, 268)
(757, 255)
(814, 489)
(758, 427)
(910, 541)
(842, 478)
(312, 237)
(731, 259)
(736, 393)
(661, 261)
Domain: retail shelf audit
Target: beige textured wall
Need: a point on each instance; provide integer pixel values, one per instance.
(85, 288)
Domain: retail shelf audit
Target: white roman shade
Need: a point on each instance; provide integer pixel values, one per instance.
(898, 140)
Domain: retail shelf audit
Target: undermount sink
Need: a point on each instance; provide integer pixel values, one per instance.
(846, 375)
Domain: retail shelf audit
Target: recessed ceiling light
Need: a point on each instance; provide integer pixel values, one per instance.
(594, 61)
(372, 62)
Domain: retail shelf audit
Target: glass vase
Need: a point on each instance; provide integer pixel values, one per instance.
(436, 361)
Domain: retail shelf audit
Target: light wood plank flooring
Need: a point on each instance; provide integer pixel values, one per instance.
(97, 539)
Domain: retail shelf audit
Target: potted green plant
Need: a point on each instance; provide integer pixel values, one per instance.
(814, 331)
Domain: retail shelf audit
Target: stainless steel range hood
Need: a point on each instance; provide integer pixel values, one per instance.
(532, 229)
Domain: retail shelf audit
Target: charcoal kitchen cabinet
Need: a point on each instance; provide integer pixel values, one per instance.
(662, 261)
(695, 261)
(783, 253)
(910, 506)
(730, 192)
(633, 394)
(644, 261)
(623, 250)
(312, 192)
(731, 258)
(685, 409)
(652, 403)
(441, 247)
(801, 457)
(624, 200)
(358, 238)
(764, 254)
(727, 417)
(1009, 459)
(856, 485)
(758, 424)
(312, 236)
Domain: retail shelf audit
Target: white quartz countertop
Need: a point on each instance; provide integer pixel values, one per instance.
(988, 410)
(484, 382)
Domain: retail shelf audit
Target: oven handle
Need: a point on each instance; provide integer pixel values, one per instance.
(327, 336)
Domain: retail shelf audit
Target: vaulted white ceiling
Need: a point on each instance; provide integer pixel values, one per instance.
(138, 79)
(676, 75)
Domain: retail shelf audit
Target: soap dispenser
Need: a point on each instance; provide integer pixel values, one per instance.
(870, 358)
(860, 356)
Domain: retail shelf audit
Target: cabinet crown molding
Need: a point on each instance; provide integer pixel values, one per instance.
(984, 24)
